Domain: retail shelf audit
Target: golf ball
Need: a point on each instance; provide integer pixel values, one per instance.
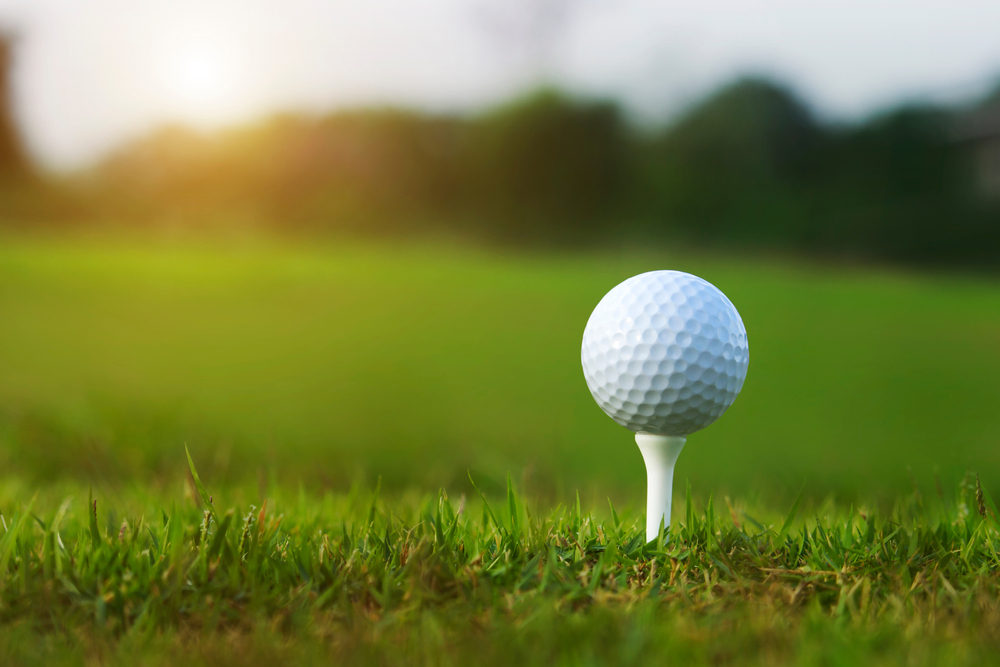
(665, 353)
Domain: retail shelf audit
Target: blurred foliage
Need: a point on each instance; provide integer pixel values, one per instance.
(545, 167)
(548, 166)
(750, 166)
(14, 162)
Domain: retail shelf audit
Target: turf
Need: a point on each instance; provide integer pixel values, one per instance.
(358, 579)
(830, 517)
(343, 362)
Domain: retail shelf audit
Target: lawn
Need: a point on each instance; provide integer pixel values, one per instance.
(431, 580)
(339, 363)
(839, 513)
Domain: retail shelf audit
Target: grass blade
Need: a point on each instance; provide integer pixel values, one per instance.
(205, 498)
(10, 538)
(512, 508)
(791, 515)
(614, 517)
(95, 533)
(220, 535)
(486, 505)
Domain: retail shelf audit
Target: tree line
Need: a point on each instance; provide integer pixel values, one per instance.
(749, 167)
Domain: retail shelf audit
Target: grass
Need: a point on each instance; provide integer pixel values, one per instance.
(360, 579)
(338, 363)
(328, 393)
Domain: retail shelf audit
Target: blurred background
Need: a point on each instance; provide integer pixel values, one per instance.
(326, 242)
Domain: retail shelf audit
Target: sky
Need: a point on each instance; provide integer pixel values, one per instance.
(92, 74)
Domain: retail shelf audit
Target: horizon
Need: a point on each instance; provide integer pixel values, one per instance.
(630, 119)
(85, 86)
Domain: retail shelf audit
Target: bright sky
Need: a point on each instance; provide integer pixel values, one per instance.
(92, 74)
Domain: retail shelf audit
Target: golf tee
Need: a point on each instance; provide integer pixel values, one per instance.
(660, 453)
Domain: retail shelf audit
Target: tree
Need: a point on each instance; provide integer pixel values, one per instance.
(13, 158)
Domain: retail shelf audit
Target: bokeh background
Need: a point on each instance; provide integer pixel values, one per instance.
(323, 243)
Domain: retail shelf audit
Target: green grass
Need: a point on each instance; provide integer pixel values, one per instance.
(359, 579)
(338, 363)
(308, 376)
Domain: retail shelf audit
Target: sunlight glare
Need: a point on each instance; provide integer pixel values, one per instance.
(200, 77)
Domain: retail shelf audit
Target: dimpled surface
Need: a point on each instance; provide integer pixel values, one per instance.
(665, 352)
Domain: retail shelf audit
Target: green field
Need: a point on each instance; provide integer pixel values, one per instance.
(303, 375)
(432, 580)
(338, 363)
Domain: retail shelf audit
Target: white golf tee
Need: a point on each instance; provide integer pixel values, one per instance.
(660, 453)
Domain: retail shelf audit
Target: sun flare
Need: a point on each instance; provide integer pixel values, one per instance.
(199, 74)
(200, 77)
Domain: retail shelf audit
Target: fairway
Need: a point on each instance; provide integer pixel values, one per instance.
(399, 462)
(335, 363)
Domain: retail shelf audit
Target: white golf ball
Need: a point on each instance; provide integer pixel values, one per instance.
(665, 353)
